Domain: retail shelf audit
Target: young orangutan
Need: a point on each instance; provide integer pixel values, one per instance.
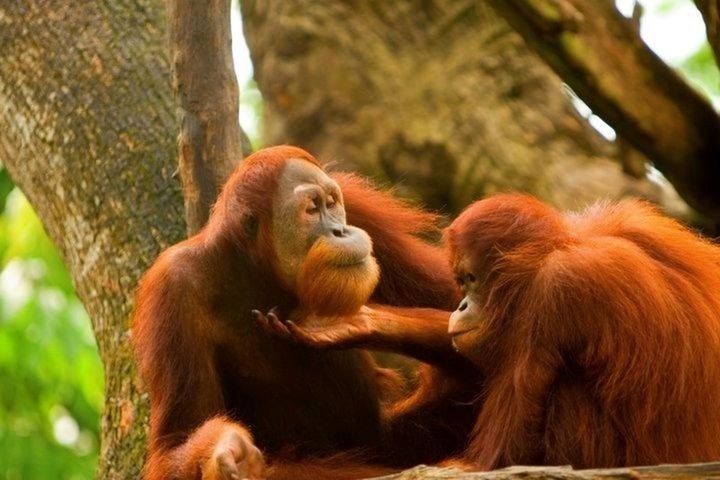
(598, 334)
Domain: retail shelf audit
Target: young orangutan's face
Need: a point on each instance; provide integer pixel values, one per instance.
(466, 326)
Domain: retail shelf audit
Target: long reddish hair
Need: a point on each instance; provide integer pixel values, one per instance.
(620, 293)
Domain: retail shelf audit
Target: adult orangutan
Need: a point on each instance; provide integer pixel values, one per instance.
(222, 389)
(598, 334)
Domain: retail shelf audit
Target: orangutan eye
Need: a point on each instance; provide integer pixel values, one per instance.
(471, 278)
(313, 208)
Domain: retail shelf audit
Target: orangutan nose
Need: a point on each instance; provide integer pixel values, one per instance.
(340, 232)
(463, 306)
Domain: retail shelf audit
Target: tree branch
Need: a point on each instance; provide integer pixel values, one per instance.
(601, 56)
(210, 141)
(710, 10)
(690, 471)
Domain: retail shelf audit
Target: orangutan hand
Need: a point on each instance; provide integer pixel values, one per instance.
(320, 332)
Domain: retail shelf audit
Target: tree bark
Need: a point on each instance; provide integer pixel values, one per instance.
(440, 96)
(600, 55)
(210, 140)
(710, 10)
(87, 130)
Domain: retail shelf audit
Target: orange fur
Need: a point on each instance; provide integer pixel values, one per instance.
(600, 336)
(325, 288)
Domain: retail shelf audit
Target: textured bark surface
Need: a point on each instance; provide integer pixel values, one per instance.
(710, 10)
(600, 54)
(440, 95)
(209, 143)
(87, 130)
(659, 472)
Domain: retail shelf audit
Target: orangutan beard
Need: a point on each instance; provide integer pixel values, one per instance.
(330, 283)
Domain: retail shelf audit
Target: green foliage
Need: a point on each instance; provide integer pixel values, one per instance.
(697, 65)
(251, 108)
(702, 71)
(663, 6)
(6, 187)
(50, 375)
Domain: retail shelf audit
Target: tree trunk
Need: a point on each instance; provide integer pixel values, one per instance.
(87, 131)
(441, 96)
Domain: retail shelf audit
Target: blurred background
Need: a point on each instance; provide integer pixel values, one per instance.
(51, 377)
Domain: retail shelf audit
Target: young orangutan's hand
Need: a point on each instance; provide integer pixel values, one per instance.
(320, 332)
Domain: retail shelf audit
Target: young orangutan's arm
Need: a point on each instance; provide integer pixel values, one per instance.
(421, 333)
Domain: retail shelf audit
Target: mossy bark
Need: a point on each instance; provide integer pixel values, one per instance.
(441, 97)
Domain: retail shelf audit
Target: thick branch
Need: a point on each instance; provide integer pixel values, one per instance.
(210, 140)
(710, 10)
(601, 56)
(690, 471)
